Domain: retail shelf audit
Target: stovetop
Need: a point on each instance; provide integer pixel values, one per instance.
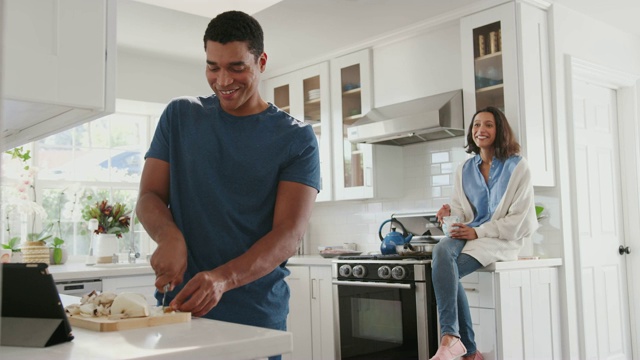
(383, 257)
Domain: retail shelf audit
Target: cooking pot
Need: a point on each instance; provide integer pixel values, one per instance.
(394, 238)
(415, 249)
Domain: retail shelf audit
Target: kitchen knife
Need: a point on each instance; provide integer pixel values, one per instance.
(164, 296)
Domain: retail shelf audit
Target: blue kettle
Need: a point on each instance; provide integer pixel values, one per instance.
(389, 241)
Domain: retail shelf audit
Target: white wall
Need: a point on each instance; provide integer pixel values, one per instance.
(145, 76)
(581, 37)
(423, 65)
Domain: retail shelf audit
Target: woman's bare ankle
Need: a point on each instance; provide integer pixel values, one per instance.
(448, 340)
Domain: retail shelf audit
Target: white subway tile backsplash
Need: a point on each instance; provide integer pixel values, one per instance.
(447, 191)
(446, 168)
(440, 180)
(439, 157)
(337, 222)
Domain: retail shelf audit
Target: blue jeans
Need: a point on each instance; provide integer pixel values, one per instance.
(448, 266)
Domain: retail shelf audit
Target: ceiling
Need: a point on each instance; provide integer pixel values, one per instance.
(204, 8)
(298, 31)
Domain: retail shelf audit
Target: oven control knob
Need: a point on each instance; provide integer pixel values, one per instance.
(384, 272)
(345, 270)
(359, 271)
(398, 272)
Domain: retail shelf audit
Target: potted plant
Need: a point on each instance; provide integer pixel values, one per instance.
(12, 245)
(58, 253)
(111, 221)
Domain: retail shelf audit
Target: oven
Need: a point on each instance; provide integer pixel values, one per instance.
(385, 307)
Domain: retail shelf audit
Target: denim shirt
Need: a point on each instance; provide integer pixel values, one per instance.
(486, 196)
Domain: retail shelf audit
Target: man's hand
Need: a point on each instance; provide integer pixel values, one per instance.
(200, 294)
(169, 261)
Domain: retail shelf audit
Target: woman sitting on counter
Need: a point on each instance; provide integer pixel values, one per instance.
(493, 200)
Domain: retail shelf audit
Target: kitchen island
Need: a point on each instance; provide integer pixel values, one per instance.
(199, 338)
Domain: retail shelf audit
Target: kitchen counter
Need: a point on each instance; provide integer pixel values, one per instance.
(522, 264)
(495, 267)
(200, 338)
(79, 271)
(309, 260)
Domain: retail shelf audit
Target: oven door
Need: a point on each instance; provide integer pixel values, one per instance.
(381, 320)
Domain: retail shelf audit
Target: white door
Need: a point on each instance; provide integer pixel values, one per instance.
(604, 301)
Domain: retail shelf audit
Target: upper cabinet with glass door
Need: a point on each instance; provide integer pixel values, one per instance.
(505, 53)
(353, 164)
(305, 95)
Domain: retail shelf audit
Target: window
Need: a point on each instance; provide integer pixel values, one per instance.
(98, 160)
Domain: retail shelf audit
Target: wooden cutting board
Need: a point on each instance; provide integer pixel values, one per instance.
(105, 324)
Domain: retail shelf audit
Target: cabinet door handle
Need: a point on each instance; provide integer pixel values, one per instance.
(471, 289)
(314, 284)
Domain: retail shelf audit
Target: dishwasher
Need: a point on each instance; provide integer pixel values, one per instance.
(79, 287)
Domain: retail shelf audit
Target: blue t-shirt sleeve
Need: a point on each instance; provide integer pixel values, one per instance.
(304, 166)
(159, 148)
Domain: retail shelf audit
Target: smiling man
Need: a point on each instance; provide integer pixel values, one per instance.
(228, 186)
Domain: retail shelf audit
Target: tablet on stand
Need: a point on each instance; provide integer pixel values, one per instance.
(32, 313)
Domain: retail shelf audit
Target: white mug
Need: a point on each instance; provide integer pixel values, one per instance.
(448, 221)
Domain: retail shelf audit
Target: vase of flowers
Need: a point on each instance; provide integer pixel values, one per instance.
(110, 222)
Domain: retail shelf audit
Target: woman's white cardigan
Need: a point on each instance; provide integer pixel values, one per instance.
(512, 223)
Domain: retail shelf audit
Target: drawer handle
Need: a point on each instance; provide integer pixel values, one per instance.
(471, 289)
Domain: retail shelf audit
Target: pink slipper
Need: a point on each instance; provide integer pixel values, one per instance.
(453, 351)
(476, 356)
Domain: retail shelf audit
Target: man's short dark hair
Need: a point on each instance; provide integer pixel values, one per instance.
(236, 26)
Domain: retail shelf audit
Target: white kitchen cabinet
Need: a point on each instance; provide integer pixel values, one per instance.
(58, 61)
(348, 171)
(361, 171)
(505, 63)
(515, 313)
(141, 284)
(305, 95)
(311, 313)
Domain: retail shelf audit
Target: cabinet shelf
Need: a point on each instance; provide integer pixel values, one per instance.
(313, 102)
(352, 92)
(351, 119)
(490, 57)
(491, 88)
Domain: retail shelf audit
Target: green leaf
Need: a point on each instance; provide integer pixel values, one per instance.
(539, 210)
(57, 242)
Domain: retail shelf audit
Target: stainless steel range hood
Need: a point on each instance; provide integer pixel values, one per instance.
(424, 119)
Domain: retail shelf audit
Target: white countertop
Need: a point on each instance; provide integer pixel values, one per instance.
(79, 271)
(309, 260)
(522, 264)
(498, 266)
(200, 338)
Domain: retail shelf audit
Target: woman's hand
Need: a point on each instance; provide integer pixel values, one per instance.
(462, 232)
(445, 210)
